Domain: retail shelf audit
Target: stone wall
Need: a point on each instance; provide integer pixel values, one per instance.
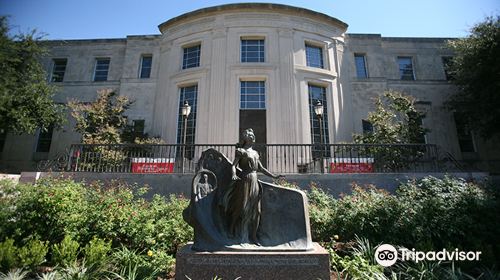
(178, 184)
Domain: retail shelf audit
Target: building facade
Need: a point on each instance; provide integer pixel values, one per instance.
(252, 65)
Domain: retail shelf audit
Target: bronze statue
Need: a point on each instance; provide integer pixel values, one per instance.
(230, 209)
(243, 207)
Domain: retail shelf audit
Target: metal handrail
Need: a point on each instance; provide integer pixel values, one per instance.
(278, 158)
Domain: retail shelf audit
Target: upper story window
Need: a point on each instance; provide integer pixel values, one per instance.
(252, 50)
(360, 61)
(314, 56)
(146, 62)
(406, 68)
(191, 57)
(58, 69)
(101, 69)
(253, 95)
(447, 60)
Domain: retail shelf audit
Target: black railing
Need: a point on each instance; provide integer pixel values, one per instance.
(278, 158)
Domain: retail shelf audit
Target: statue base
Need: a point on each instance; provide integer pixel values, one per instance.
(313, 264)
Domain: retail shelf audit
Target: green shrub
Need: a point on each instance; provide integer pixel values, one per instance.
(427, 214)
(65, 253)
(322, 208)
(356, 263)
(33, 253)
(8, 255)
(49, 209)
(96, 251)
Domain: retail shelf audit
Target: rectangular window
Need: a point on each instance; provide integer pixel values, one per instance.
(367, 126)
(101, 69)
(360, 61)
(44, 140)
(191, 57)
(314, 56)
(139, 129)
(189, 94)
(447, 60)
(406, 68)
(146, 62)
(252, 95)
(252, 50)
(318, 93)
(464, 134)
(3, 136)
(58, 69)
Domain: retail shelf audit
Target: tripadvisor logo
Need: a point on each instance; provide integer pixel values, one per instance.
(387, 255)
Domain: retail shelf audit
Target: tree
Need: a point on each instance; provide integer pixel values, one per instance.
(102, 121)
(104, 124)
(25, 96)
(475, 69)
(395, 121)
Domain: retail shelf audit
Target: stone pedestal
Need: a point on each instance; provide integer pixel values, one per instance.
(247, 265)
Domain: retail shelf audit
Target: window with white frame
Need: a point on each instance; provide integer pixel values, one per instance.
(252, 50)
(406, 68)
(252, 95)
(360, 61)
(314, 56)
(191, 57)
(101, 69)
(58, 69)
(146, 63)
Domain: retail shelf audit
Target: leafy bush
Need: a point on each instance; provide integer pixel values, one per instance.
(8, 254)
(96, 251)
(321, 213)
(33, 253)
(58, 208)
(65, 253)
(427, 214)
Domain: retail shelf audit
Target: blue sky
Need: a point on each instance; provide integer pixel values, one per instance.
(83, 19)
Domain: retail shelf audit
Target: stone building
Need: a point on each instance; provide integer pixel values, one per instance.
(251, 65)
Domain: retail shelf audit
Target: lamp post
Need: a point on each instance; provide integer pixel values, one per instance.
(185, 110)
(318, 110)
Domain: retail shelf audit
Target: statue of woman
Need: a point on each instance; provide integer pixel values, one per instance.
(243, 209)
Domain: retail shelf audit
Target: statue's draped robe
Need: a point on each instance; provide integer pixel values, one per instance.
(283, 221)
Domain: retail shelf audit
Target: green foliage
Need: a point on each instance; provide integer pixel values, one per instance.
(96, 251)
(133, 265)
(476, 68)
(395, 120)
(101, 218)
(428, 214)
(321, 212)
(16, 274)
(355, 264)
(101, 121)
(33, 253)
(8, 254)
(25, 96)
(65, 253)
